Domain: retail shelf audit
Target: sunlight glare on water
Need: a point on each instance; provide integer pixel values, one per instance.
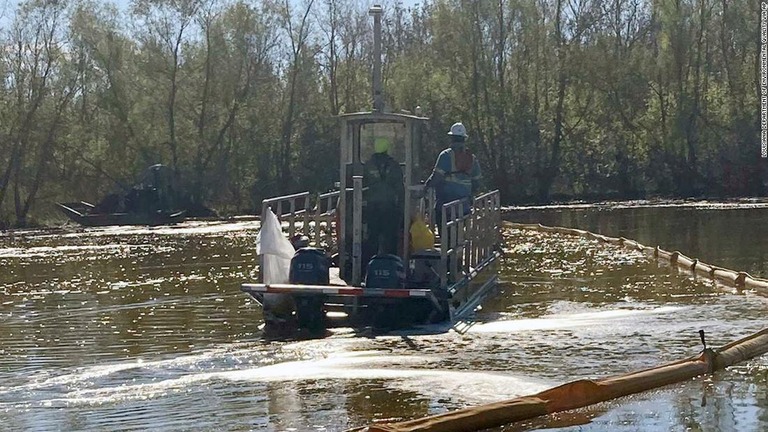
(133, 328)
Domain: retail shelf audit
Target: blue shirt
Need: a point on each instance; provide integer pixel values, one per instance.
(451, 183)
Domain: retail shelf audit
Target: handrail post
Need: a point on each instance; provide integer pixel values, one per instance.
(453, 242)
(357, 229)
(307, 218)
(431, 208)
(444, 248)
(292, 218)
(317, 219)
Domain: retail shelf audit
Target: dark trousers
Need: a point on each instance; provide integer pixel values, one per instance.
(383, 225)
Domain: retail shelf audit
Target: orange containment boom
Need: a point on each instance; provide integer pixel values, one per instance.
(581, 393)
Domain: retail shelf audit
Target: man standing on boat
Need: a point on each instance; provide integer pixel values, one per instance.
(456, 175)
(384, 198)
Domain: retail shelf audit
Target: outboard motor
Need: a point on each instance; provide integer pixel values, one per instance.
(385, 271)
(299, 241)
(309, 266)
(424, 269)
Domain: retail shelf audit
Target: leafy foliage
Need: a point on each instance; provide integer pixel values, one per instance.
(562, 98)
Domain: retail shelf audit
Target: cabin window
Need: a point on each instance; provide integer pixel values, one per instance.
(394, 133)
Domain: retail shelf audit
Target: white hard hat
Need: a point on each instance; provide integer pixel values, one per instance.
(458, 129)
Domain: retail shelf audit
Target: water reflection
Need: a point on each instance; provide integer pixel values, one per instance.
(135, 329)
(730, 235)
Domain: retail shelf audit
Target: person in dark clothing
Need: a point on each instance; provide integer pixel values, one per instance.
(384, 198)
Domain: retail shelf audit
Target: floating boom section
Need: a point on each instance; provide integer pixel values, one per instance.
(582, 393)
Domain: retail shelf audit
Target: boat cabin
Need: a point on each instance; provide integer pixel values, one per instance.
(359, 132)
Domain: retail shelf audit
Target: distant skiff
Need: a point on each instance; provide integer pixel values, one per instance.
(85, 213)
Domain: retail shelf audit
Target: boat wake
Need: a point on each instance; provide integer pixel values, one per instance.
(570, 320)
(110, 384)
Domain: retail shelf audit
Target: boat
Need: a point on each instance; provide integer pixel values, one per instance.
(150, 202)
(87, 214)
(440, 284)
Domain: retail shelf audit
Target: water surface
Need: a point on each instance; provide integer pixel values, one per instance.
(145, 328)
(728, 234)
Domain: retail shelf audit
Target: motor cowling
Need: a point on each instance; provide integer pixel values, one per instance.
(424, 269)
(386, 272)
(309, 266)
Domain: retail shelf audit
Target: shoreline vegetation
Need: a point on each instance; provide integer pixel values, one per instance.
(600, 100)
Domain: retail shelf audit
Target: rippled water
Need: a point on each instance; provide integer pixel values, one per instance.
(137, 329)
(729, 234)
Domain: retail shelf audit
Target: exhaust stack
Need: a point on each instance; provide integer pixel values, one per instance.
(378, 98)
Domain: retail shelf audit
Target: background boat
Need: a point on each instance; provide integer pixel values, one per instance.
(87, 214)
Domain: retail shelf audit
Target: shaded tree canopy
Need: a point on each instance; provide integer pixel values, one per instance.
(562, 98)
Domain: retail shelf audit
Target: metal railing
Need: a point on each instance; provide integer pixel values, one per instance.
(313, 215)
(423, 204)
(469, 239)
(452, 239)
(485, 229)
